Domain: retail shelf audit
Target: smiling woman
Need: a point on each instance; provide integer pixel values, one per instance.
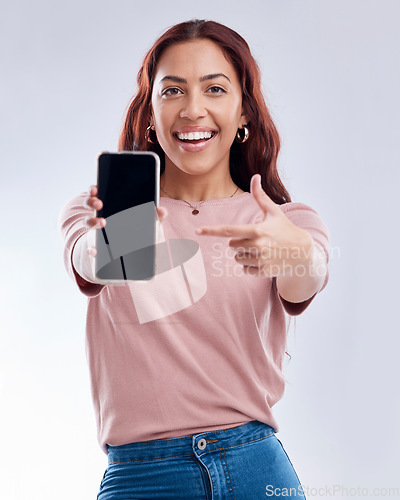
(233, 68)
(196, 90)
(186, 369)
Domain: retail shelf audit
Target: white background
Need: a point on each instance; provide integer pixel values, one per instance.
(331, 78)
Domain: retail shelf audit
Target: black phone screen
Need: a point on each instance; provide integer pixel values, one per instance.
(128, 187)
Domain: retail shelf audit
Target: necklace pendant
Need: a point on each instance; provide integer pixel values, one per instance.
(195, 211)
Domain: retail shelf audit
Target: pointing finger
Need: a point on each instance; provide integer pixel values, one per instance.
(237, 231)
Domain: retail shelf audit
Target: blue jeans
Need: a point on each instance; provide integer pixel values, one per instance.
(244, 462)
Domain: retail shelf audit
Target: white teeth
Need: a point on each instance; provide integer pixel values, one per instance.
(195, 136)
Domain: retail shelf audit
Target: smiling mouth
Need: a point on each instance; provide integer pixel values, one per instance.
(195, 137)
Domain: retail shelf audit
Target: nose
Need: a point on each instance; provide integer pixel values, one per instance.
(193, 107)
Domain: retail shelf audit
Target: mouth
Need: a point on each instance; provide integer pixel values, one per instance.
(194, 137)
(194, 141)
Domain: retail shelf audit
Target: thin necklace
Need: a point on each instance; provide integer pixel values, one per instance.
(195, 210)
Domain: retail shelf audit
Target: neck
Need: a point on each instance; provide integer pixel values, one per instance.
(197, 188)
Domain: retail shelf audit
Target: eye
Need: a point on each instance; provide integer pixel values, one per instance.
(215, 89)
(171, 91)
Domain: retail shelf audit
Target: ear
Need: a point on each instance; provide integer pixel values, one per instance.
(150, 116)
(244, 119)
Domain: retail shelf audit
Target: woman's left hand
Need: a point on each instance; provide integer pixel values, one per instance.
(271, 247)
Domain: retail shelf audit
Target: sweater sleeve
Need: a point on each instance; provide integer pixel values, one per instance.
(305, 217)
(74, 235)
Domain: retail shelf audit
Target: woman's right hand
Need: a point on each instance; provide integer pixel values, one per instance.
(94, 203)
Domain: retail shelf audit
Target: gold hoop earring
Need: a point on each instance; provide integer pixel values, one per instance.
(241, 139)
(147, 134)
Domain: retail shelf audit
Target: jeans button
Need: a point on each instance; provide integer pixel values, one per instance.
(202, 444)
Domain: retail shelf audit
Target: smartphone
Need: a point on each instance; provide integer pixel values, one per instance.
(128, 186)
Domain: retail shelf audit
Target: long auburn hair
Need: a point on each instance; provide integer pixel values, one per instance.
(260, 152)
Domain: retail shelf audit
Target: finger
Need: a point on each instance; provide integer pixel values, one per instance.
(93, 202)
(263, 200)
(162, 212)
(238, 231)
(252, 248)
(246, 249)
(246, 243)
(92, 193)
(265, 270)
(247, 260)
(93, 190)
(95, 222)
(92, 251)
(253, 271)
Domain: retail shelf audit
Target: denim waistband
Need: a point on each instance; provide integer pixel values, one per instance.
(203, 442)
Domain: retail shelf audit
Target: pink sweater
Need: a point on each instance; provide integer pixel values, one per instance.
(200, 348)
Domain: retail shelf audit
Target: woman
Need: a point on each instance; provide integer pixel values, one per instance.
(185, 372)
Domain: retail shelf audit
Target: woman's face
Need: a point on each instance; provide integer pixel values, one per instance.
(196, 106)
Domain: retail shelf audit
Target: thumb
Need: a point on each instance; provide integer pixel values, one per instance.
(261, 197)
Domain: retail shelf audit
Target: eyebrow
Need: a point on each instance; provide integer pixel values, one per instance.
(178, 79)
